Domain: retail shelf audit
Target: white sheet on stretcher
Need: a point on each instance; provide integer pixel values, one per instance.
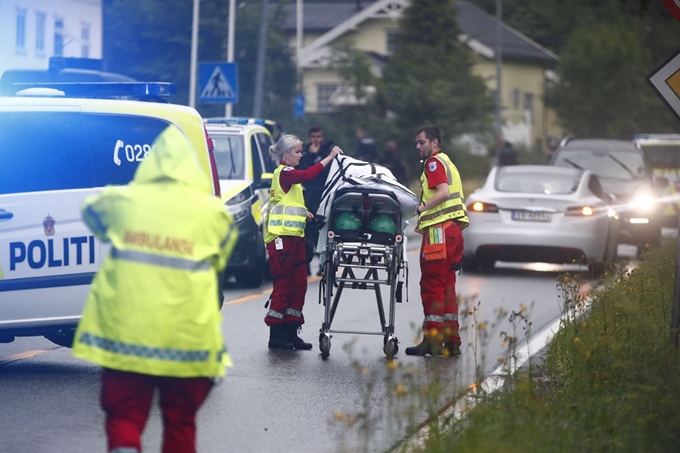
(344, 169)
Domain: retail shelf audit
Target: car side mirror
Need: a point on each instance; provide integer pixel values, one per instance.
(266, 180)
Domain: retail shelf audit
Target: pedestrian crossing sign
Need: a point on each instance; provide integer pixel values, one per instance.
(218, 83)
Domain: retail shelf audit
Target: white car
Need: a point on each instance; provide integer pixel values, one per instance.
(539, 213)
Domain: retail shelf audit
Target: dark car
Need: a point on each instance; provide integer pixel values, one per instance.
(626, 176)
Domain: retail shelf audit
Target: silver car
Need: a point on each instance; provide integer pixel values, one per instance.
(538, 213)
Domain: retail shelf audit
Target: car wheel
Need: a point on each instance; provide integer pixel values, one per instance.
(598, 269)
(469, 264)
(249, 279)
(62, 337)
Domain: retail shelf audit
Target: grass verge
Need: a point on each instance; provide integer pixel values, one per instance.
(610, 380)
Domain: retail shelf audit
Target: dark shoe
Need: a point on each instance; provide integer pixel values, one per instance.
(424, 348)
(278, 338)
(451, 349)
(297, 342)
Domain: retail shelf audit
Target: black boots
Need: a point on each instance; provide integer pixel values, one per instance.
(278, 337)
(284, 336)
(298, 343)
(426, 347)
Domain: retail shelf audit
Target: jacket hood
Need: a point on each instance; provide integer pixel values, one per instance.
(172, 158)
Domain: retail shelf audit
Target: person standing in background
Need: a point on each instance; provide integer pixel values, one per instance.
(152, 317)
(313, 152)
(394, 162)
(366, 148)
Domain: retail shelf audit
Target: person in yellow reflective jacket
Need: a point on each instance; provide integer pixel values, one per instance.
(152, 317)
(441, 218)
(285, 242)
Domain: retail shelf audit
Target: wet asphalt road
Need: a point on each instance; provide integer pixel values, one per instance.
(285, 401)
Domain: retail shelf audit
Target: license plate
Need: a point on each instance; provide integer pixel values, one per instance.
(531, 216)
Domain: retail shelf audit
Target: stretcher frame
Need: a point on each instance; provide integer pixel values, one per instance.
(357, 262)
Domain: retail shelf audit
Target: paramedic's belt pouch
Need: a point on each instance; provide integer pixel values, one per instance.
(435, 243)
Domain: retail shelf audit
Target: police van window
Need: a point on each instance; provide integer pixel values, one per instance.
(229, 156)
(265, 142)
(43, 151)
(255, 158)
(119, 143)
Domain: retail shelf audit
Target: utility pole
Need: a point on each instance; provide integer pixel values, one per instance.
(499, 70)
(261, 52)
(675, 313)
(230, 44)
(299, 42)
(194, 53)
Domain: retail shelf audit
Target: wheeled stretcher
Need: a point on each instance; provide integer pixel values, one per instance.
(365, 249)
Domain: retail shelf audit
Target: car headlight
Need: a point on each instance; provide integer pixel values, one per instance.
(240, 204)
(642, 202)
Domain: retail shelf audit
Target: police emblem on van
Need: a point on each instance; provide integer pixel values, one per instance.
(48, 225)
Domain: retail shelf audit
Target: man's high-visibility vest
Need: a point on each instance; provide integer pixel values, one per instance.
(451, 209)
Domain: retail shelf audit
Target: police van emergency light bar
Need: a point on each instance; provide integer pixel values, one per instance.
(102, 89)
(239, 120)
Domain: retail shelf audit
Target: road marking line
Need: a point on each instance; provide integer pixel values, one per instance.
(21, 356)
(253, 296)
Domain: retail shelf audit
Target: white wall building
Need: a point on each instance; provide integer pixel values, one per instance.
(32, 31)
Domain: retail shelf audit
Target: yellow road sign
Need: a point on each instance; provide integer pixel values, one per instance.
(666, 81)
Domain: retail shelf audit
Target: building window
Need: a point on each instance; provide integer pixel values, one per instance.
(59, 37)
(85, 41)
(40, 32)
(324, 91)
(391, 41)
(529, 105)
(21, 29)
(516, 99)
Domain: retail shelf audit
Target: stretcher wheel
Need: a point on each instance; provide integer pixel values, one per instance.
(325, 345)
(391, 347)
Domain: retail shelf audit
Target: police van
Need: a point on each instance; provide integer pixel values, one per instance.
(57, 147)
(241, 148)
(663, 153)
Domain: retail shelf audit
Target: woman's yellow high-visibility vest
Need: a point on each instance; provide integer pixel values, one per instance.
(287, 212)
(451, 209)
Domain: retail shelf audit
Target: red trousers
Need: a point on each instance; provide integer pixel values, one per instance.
(289, 272)
(126, 399)
(438, 286)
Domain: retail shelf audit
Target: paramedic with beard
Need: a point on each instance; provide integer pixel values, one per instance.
(441, 218)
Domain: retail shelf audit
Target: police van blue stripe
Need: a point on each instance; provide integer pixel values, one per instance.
(52, 281)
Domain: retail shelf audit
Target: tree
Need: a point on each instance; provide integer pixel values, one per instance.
(151, 40)
(429, 77)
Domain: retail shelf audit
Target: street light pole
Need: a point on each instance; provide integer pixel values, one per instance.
(230, 44)
(194, 54)
(499, 62)
(261, 51)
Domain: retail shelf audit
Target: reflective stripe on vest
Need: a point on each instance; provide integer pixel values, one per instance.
(146, 352)
(160, 260)
(451, 209)
(287, 214)
(450, 317)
